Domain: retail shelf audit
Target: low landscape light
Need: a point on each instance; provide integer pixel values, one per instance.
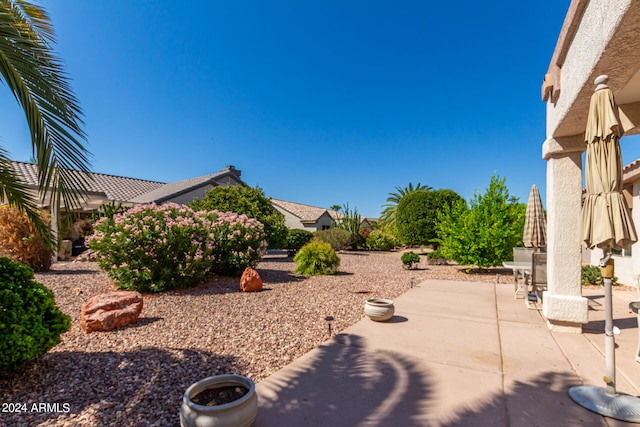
(329, 319)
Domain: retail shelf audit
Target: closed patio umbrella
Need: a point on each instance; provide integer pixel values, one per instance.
(535, 222)
(606, 223)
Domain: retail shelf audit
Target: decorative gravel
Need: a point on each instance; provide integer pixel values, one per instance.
(136, 375)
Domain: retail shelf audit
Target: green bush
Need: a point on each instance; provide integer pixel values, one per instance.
(591, 275)
(30, 322)
(316, 258)
(380, 241)
(409, 259)
(296, 239)
(338, 239)
(484, 233)
(417, 215)
(248, 201)
(153, 248)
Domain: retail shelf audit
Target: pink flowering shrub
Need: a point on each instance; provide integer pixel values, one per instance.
(154, 248)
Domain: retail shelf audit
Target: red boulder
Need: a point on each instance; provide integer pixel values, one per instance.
(250, 280)
(108, 311)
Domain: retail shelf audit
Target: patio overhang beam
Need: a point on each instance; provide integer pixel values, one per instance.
(596, 38)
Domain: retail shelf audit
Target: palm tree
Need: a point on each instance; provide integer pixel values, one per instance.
(388, 215)
(36, 77)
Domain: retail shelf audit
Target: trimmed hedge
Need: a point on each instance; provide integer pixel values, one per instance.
(30, 321)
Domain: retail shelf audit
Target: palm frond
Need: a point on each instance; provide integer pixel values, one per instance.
(389, 213)
(36, 77)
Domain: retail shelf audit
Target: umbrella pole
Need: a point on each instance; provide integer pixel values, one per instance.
(606, 400)
(607, 268)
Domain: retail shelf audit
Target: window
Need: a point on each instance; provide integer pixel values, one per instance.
(621, 252)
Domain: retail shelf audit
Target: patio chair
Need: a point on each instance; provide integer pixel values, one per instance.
(521, 276)
(538, 279)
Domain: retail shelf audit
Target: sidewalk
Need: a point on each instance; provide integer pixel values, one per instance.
(454, 354)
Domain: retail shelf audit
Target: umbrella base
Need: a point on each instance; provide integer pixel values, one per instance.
(620, 406)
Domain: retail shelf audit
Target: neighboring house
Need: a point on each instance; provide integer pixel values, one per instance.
(305, 217)
(104, 189)
(368, 222)
(311, 218)
(627, 262)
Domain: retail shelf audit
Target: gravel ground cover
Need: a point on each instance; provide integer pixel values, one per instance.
(136, 375)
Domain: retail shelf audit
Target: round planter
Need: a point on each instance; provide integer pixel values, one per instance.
(239, 413)
(379, 309)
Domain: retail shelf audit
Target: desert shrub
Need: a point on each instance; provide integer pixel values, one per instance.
(30, 322)
(296, 239)
(380, 241)
(484, 233)
(338, 239)
(316, 258)
(20, 241)
(155, 248)
(251, 202)
(350, 220)
(416, 215)
(592, 275)
(409, 259)
(438, 253)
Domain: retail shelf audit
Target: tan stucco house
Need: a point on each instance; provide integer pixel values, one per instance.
(311, 218)
(305, 217)
(598, 37)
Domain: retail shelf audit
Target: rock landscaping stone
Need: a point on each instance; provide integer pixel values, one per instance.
(86, 256)
(250, 280)
(108, 311)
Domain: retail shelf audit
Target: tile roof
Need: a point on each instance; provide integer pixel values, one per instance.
(172, 189)
(631, 172)
(304, 212)
(116, 188)
(133, 190)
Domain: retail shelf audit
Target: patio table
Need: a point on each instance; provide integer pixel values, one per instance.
(519, 267)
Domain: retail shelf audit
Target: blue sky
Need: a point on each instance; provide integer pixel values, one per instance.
(317, 102)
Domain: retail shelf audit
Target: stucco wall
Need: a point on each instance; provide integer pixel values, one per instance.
(623, 268)
(186, 198)
(324, 222)
(293, 222)
(598, 24)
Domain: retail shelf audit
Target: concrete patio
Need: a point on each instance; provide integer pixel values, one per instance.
(454, 354)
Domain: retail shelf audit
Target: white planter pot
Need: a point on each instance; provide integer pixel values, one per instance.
(379, 309)
(239, 413)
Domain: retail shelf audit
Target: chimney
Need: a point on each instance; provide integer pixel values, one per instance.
(232, 169)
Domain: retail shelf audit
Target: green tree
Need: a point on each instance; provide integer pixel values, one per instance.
(388, 215)
(37, 79)
(484, 233)
(249, 201)
(417, 215)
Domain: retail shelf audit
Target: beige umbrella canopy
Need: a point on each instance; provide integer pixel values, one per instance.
(606, 220)
(535, 222)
